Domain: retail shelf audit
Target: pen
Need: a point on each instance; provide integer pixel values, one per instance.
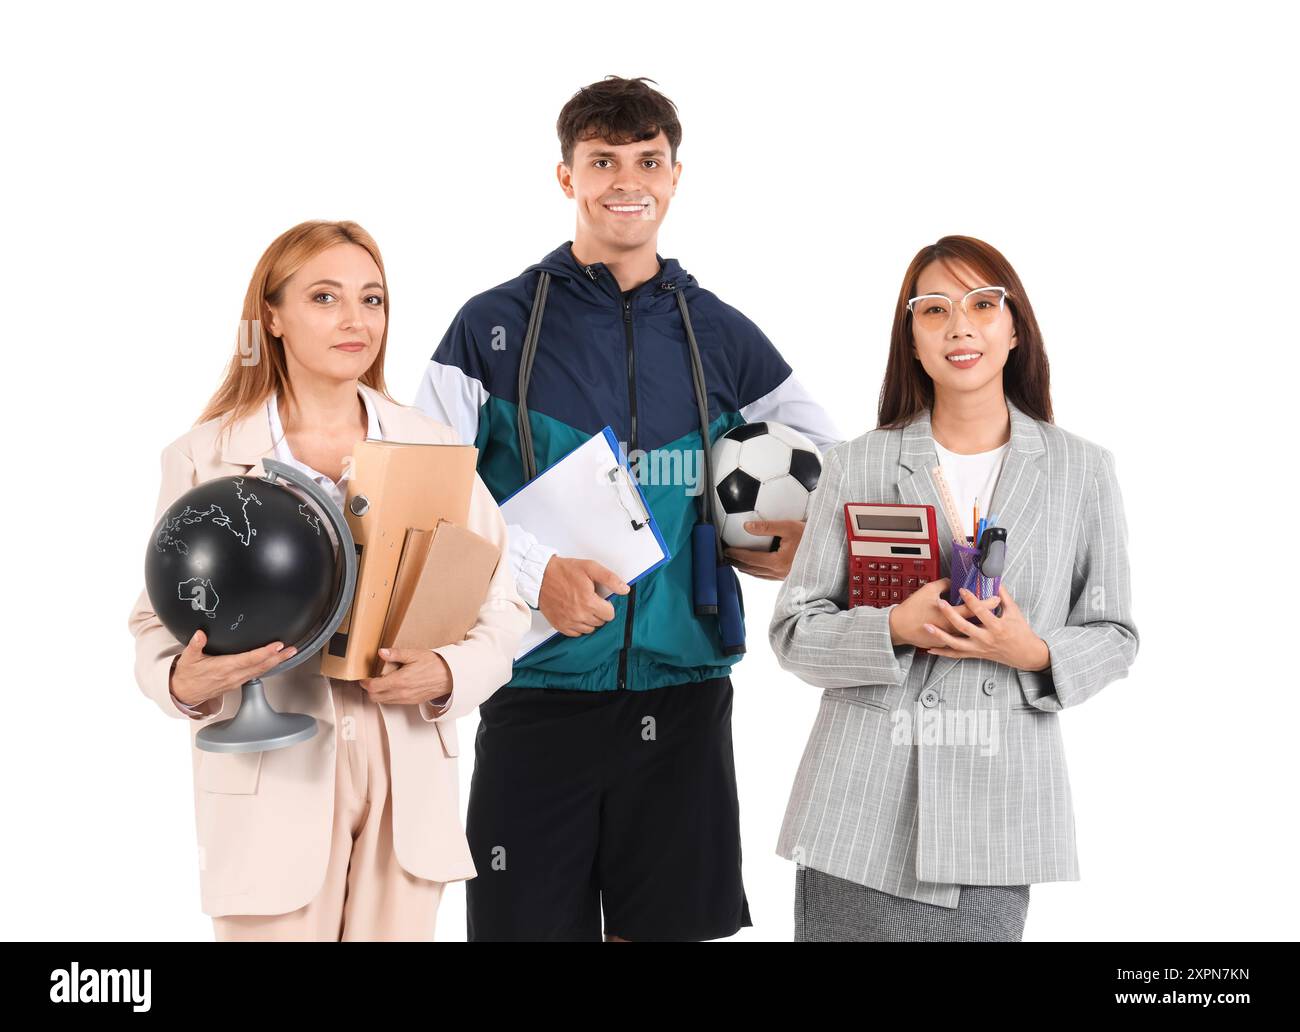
(975, 520)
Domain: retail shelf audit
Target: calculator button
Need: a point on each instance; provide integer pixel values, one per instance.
(871, 592)
(895, 580)
(895, 566)
(895, 594)
(873, 566)
(911, 583)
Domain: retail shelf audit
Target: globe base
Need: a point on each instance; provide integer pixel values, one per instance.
(257, 727)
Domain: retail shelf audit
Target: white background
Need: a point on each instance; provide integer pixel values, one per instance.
(1132, 161)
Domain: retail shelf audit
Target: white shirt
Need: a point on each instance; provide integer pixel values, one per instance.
(970, 477)
(283, 454)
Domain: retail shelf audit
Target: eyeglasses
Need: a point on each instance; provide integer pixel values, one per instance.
(981, 305)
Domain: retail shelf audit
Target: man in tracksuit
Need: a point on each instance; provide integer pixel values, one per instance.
(603, 776)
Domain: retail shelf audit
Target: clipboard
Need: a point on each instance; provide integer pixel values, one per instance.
(589, 505)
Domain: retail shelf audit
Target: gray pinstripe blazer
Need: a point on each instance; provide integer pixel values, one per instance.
(924, 772)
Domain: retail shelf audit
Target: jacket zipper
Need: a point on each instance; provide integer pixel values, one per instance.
(631, 397)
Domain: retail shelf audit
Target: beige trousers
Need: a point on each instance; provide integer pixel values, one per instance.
(367, 895)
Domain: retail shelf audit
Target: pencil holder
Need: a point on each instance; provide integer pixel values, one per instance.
(966, 574)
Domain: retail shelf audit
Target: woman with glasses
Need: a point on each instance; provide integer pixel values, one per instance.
(933, 789)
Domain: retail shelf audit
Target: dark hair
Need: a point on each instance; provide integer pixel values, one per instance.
(908, 388)
(618, 111)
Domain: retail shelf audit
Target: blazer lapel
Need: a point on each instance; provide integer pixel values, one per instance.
(916, 486)
(1017, 497)
(248, 441)
(395, 422)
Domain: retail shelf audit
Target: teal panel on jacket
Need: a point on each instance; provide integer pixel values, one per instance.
(670, 644)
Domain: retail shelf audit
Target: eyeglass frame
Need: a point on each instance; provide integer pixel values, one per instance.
(1002, 300)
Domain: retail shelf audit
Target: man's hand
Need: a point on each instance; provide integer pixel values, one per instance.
(570, 599)
(422, 677)
(769, 565)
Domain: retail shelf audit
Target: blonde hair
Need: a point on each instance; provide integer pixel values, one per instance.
(246, 386)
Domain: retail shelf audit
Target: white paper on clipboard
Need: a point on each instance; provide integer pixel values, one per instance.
(589, 506)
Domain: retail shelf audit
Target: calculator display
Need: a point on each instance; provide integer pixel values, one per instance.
(883, 522)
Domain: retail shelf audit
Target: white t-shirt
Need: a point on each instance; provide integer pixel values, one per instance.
(970, 477)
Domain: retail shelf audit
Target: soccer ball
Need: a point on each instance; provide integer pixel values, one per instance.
(763, 471)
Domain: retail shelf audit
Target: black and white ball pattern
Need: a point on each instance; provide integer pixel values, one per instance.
(763, 471)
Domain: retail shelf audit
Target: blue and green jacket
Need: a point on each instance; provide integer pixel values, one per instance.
(604, 358)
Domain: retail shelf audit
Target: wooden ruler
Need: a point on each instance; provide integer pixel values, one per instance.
(949, 506)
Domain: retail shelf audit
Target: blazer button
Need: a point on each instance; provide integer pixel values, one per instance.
(929, 698)
(988, 686)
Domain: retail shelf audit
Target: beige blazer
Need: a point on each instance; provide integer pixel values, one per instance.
(264, 819)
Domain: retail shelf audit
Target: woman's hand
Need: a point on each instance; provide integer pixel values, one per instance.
(1006, 639)
(908, 619)
(196, 678)
(423, 676)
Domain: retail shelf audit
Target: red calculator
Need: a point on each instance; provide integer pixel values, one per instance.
(893, 551)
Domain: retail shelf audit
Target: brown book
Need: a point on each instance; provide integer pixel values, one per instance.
(415, 550)
(403, 486)
(440, 586)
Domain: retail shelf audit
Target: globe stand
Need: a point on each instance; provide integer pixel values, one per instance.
(257, 727)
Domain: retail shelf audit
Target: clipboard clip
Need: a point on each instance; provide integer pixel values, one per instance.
(631, 502)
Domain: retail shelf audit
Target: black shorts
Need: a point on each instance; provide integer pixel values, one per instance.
(617, 801)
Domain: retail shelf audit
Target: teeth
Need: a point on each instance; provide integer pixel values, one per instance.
(625, 207)
(962, 358)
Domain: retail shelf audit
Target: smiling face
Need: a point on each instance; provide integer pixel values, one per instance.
(622, 190)
(986, 331)
(331, 314)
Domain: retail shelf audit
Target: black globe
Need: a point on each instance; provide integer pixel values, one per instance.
(247, 560)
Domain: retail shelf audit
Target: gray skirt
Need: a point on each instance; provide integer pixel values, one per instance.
(831, 909)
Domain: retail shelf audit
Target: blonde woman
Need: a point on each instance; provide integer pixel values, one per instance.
(353, 833)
